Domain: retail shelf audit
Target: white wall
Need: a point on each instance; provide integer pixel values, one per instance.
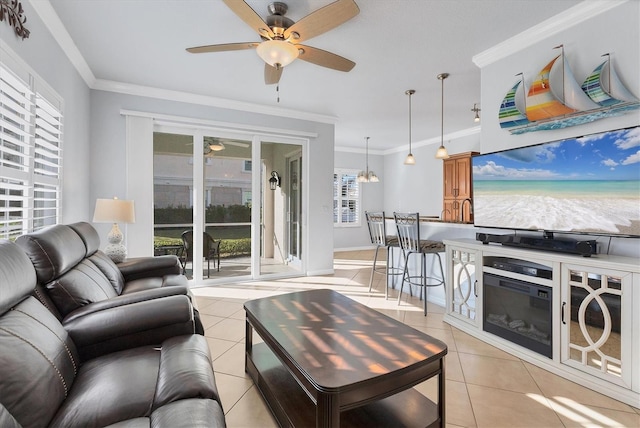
(44, 56)
(418, 188)
(108, 157)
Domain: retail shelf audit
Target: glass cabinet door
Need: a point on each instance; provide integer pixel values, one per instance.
(592, 323)
(463, 292)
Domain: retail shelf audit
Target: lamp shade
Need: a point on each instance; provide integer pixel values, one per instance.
(277, 53)
(114, 211)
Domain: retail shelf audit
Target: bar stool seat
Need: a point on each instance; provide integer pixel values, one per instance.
(378, 233)
(408, 228)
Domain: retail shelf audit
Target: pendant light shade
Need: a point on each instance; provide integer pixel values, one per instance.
(410, 160)
(367, 176)
(442, 151)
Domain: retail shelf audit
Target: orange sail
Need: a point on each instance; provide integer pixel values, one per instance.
(541, 103)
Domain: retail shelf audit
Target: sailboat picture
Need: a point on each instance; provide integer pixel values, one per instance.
(556, 100)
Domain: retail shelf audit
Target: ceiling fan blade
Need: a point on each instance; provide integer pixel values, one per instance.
(223, 47)
(237, 144)
(322, 20)
(250, 17)
(272, 74)
(325, 59)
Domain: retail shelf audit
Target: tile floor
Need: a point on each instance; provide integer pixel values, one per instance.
(485, 387)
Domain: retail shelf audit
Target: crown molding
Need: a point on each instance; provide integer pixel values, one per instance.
(569, 18)
(60, 34)
(206, 100)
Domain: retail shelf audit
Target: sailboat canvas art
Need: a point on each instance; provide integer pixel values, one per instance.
(556, 100)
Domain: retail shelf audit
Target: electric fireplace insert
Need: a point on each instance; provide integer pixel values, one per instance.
(518, 311)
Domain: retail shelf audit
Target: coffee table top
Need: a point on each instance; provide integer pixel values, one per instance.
(336, 341)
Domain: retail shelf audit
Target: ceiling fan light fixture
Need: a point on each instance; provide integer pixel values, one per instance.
(277, 53)
(217, 146)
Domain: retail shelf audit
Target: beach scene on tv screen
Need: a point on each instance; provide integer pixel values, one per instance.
(589, 184)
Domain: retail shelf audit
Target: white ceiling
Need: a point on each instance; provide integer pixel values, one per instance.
(396, 45)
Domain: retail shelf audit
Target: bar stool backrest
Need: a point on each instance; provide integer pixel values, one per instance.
(377, 228)
(408, 227)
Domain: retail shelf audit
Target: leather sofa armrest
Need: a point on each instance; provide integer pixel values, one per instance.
(127, 299)
(116, 327)
(144, 267)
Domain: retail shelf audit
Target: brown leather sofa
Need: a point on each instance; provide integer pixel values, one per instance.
(45, 381)
(75, 278)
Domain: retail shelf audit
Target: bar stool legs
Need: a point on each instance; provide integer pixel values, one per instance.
(390, 270)
(422, 280)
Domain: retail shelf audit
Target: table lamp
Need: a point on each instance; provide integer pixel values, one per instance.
(114, 211)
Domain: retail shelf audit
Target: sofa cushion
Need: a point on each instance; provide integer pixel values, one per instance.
(146, 379)
(89, 236)
(53, 250)
(80, 286)
(17, 275)
(37, 359)
(109, 269)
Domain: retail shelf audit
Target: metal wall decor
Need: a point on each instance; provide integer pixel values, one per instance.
(13, 12)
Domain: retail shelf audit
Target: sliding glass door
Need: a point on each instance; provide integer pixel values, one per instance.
(205, 185)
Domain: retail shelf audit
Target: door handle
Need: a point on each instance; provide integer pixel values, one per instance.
(475, 288)
(562, 312)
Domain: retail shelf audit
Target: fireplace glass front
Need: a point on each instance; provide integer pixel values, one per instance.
(518, 311)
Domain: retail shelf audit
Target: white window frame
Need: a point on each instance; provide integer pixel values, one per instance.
(31, 131)
(338, 198)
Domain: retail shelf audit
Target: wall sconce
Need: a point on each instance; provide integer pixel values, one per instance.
(476, 110)
(114, 211)
(274, 181)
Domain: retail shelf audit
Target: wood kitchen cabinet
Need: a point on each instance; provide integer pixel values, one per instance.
(457, 187)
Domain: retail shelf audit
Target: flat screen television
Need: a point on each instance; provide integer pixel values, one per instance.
(586, 185)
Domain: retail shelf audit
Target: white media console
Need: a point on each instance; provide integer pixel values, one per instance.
(577, 317)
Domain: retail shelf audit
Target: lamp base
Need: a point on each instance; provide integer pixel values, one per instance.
(115, 250)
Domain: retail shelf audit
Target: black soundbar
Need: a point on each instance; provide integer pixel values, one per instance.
(584, 248)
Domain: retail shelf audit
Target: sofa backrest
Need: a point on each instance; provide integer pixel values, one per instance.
(39, 360)
(59, 255)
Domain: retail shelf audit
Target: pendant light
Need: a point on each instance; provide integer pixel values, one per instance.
(442, 151)
(367, 176)
(410, 160)
(476, 110)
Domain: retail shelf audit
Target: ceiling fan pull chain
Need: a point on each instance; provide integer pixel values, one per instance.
(278, 92)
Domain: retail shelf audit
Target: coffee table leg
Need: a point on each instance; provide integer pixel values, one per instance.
(248, 342)
(327, 411)
(441, 392)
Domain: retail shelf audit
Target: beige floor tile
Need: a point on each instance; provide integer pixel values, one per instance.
(227, 329)
(231, 389)
(556, 387)
(458, 410)
(218, 347)
(576, 415)
(453, 368)
(209, 321)
(250, 411)
(231, 362)
(496, 408)
(510, 375)
(432, 320)
(470, 345)
(222, 308)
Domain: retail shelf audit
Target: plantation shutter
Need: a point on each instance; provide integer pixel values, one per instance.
(346, 198)
(16, 119)
(30, 154)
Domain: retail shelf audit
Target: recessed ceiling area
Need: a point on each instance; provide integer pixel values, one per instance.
(396, 45)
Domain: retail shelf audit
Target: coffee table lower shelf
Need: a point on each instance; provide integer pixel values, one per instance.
(292, 407)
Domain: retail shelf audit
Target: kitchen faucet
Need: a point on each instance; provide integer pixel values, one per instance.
(462, 208)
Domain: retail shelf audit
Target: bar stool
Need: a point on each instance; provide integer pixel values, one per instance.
(408, 227)
(379, 238)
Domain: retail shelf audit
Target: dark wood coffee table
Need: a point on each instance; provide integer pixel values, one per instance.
(327, 361)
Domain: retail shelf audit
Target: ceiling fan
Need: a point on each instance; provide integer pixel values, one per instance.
(281, 36)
